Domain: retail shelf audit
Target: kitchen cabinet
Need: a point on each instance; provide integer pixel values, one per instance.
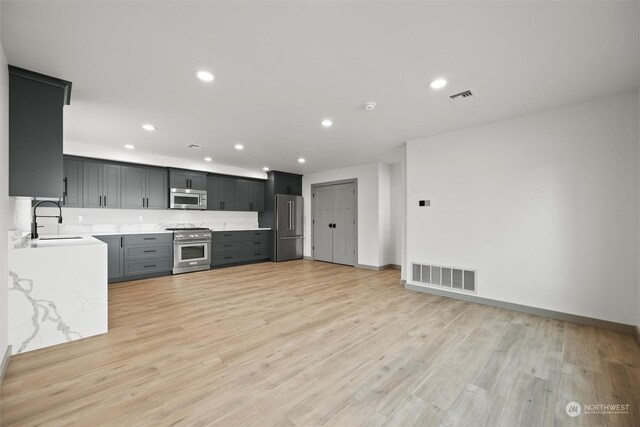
(250, 195)
(222, 193)
(115, 256)
(187, 179)
(102, 185)
(287, 183)
(36, 104)
(134, 256)
(238, 247)
(72, 196)
(144, 188)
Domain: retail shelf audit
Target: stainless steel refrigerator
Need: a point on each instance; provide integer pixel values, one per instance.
(288, 227)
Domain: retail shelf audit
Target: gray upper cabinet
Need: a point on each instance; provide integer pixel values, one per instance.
(35, 133)
(257, 195)
(288, 183)
(250, 195)
(144, 188)
(157, 189)
(133, 187)
(72, 196)
(102, 185)
(221, 193)
(187, 179)
(111, 185)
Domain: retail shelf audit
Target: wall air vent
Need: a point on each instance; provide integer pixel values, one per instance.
(467, 94)
(462, 279)
(194, 146)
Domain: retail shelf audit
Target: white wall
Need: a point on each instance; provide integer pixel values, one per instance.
(384, 214)
(371, 243)
(638, 317)
(397, 206)
(4, 198)
(545, 207)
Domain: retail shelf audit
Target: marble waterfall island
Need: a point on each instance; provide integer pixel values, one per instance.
(57, 292)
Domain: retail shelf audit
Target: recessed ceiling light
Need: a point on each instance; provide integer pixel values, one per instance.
(301, 160)
(205, 76)
(148, 127)
(265, 169)
(129, 146)
(438, 83)
(208, 159)
(326, 123)
(369, 106)
(239, 147)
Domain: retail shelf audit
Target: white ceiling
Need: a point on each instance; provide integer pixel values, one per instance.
(281, 67)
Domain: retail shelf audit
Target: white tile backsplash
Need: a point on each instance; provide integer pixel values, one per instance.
(82, 220)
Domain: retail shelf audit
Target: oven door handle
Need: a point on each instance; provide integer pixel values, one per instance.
(191, 242)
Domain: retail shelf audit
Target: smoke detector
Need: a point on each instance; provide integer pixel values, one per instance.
(194, 146)
(369, 106)
(467, 94)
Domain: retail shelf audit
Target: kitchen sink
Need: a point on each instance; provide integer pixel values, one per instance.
(60, 238)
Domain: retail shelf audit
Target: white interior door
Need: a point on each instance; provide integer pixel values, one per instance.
(344, 224)
(323, 219)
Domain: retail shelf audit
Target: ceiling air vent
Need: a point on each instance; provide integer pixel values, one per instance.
(462, 95)
(194, 146)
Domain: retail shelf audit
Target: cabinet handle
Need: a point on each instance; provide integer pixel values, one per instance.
(259, 253)
(257, 243)
(121, 241)
(100, 201)
(148, 252)
(149, 266)
(147, 202)
(226, 246)
(228, 257)
(221, 204)
(149, 238)
(64, 192)
(105, 201)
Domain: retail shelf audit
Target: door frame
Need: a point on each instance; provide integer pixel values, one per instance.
(353, 181)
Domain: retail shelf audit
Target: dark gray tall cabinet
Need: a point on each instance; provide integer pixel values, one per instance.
(102, 185)
(277, 183)
(144, 188)
(36, 102)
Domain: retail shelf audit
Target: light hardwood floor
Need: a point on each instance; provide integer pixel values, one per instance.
(309, 343)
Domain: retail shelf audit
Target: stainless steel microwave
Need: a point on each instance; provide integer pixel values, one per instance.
(185, 198)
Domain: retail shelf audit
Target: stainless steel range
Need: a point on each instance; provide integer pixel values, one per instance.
(191, 249)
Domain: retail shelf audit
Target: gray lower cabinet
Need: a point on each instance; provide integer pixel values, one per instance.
(133, 256)
(144, 188)
(72, 196)
(115, 256)
(235, 247)
(102, 185)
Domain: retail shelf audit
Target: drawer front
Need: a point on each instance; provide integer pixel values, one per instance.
(257, 234)
(223, 236)
(155, 265)
(258, 253)
(137, 252)
(227, 245)
(227, 258)
(250, 245)
(146, 239)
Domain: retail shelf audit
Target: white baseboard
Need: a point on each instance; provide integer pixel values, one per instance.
(5, 363)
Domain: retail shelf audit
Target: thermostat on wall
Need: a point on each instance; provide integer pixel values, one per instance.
(424, 203)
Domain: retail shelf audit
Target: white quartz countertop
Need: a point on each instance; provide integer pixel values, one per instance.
(61, 241)
(118, 233)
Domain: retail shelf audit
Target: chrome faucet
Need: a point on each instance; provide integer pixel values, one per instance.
(34, 223)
